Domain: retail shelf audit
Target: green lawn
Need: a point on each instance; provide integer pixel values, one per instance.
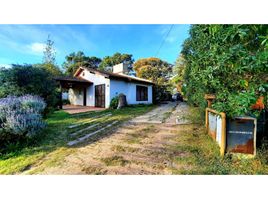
(52, 143)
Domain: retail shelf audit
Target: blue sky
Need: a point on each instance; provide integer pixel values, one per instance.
(24, 43)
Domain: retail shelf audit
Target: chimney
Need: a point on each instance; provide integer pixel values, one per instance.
(121, 68)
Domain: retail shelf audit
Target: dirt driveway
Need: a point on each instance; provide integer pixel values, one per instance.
(145, 145)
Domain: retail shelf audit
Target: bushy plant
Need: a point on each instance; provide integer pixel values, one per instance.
(27, 79)
(21, 116)
(114, 102)
(229, 61)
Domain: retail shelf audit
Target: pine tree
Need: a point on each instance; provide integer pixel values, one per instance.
(49, 58)
(49, 52)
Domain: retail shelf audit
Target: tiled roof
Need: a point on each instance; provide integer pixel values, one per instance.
(72, 79)
(120, 76)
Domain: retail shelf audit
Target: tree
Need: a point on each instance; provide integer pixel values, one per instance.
(156, 70)
(27, 79)
(49, 52)
(230, 61)
(176, 81)
(109, 61)
(76, 60)
(49, 59)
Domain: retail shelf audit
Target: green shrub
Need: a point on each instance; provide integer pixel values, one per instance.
(229, 61)
(114, 102)
(27, 79)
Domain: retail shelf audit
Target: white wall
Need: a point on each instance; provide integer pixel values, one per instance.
(75, 97)
(129, 89)
(96, 80)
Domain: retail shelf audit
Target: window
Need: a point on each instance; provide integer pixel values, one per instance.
(141, 93)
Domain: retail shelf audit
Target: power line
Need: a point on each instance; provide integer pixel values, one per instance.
(164, 39)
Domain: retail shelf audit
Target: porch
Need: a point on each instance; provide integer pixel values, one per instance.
(77, 84)
(73, 109)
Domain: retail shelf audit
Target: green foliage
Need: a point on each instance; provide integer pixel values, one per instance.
(52, 69)
(158, 71)
(109, 61)
(230, 61)
(114, 102)
(176, 81)
(26, 79)
(76, 60)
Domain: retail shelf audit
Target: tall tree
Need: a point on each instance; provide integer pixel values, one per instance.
(49, 52)
(78, 59)
(109, 61)
(158, 71)
(177, 74)
(49, 58)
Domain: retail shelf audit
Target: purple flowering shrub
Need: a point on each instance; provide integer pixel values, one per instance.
(22, 115)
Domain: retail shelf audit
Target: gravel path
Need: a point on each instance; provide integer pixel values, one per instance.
(158, 115)
(178, 116)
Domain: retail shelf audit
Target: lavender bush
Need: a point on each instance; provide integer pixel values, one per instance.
(21, 115)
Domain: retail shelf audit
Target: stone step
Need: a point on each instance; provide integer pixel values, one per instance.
(85, 129)
(82, 139)
(92, 120)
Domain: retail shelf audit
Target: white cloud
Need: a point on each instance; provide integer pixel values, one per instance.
(36, 48)
(5, 65)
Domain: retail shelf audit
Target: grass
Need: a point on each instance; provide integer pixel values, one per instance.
(124, 149)
(137, 137)
(51, 147)
(202, 157)
(114, 161)
(168, 114)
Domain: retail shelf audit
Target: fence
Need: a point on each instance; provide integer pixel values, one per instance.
(216, 127)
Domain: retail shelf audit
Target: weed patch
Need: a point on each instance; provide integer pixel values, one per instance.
(115, 160)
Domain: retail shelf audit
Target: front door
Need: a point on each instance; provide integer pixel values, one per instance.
(100, 96)
(85, 97)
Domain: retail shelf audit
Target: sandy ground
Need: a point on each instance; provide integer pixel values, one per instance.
(144, 145)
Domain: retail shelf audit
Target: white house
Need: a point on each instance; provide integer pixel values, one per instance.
(92, 87)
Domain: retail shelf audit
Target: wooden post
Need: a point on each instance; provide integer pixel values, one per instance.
(60, 97)
(223, 133)
(207, 118)
(209, 98)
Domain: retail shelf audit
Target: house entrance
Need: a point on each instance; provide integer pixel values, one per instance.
(85, 97)
(100, 96)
